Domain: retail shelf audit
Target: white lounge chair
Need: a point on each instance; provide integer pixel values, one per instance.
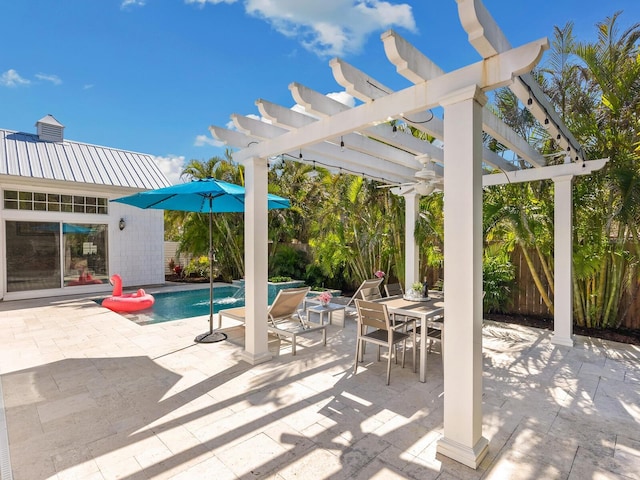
(366, 285)
(285, 320)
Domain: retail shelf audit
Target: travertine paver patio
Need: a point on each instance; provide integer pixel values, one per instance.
(91, 395)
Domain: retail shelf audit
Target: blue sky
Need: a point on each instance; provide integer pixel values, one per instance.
(152, 75)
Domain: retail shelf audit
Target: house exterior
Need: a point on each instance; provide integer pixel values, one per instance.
(59, 232)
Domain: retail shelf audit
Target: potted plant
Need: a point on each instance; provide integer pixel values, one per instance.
(416, 290)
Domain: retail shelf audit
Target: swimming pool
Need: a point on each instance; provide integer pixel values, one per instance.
(177, 305)
(169, 306)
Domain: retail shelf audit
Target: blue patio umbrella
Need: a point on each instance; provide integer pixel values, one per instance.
(206, 195)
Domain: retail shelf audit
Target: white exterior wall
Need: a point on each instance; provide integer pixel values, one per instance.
(137, 252)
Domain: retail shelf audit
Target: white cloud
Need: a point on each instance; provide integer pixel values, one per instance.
(171, 166)
(327, 27)
(202, 140)
(332, 27)
(132, 3)
(11, 78)
(260, 118)
(343, 97)
(88, 86)
(49, 78)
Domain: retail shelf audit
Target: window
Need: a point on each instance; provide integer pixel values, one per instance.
(51, 202)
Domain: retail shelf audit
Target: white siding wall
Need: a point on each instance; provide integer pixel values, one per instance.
(137, 252)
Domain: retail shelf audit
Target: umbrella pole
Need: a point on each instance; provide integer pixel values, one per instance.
(211, 336)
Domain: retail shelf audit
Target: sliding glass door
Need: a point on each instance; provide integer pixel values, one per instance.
(85, 254)
(33, 253)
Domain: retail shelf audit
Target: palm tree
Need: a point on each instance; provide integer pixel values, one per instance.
(228, 228)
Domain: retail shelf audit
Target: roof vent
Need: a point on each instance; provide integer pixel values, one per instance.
(49, 129)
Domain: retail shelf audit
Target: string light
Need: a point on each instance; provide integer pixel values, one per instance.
(346, 170)
(415, 121)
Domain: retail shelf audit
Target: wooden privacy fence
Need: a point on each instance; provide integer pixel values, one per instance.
(526, 300)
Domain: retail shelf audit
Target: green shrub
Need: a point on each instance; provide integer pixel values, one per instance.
(288, 262)
(280, 279)
(497, 282)
(198, 267)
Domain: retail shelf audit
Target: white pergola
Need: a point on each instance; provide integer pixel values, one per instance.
(360, 139)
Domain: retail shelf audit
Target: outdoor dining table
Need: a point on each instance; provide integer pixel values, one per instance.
(427, 311)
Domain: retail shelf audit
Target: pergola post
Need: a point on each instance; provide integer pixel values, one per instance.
(563, 262)
(463, 440)
(256, 348)
(411, 252)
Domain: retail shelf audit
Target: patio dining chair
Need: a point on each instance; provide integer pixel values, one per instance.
(393, 289)
(370, 294)
(367, 284)
(401, 321)
(374, 326)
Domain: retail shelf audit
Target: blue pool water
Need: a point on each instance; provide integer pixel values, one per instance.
(169, 306)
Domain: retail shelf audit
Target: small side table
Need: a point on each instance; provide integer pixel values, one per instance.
(334, 313)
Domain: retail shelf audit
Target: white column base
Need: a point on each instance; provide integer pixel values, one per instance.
(471, 457)
(562, 340)
(255, 359)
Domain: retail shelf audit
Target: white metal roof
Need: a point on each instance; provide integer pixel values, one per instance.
(25, 155)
